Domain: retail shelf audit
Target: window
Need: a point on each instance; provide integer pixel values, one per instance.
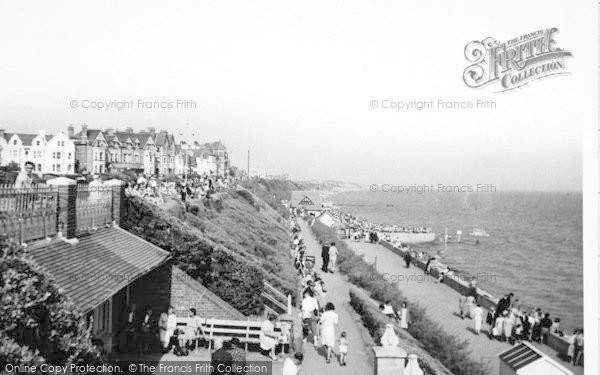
(54, 155)
(69, 167)
(69, 156)
(99, 169)
(137, 158)
(37, 143)
(58, 167)
(101, 156)
(26, 152)
(15, 142)
(53, 168)
(58, 155)
(39, 167)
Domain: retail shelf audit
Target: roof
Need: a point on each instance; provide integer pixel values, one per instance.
(26, 139)
(99, 265)
(519, 356)
(91, 135)
(161, 138)
(309, 200)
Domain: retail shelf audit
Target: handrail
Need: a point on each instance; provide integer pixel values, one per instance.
(274, 291)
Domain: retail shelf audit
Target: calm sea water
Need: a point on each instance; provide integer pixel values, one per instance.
(534, 249)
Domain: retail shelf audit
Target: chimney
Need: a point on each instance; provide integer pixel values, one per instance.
(129, 130)
(70, 131)
(152, 131)
(110, 131)
(84, 132)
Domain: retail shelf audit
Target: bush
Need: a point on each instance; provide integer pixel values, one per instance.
(37, 322)
(448, 349)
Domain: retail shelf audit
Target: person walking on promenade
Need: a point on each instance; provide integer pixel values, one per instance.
(328, 321)
(478, 317)
(407, 259)
(491, 321)
(508, 326)
(325, 257)
(293, 366)
(404, 316)
(309, 305)
(343, 348)
(319, 292)
(171, 326)
(162, 329)
(333, 253)
(462, 305)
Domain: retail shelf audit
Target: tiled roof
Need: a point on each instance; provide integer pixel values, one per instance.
(99, 265)
(26, 139)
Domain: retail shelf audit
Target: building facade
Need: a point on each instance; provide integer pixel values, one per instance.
(50, 154)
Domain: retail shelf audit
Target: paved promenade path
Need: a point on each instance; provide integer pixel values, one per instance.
(358, 360)
(441, 303)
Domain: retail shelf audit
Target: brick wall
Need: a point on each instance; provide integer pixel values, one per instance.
(188, 293)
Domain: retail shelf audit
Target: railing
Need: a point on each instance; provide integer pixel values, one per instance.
(94, 206)
(28, 214)
(279, 303)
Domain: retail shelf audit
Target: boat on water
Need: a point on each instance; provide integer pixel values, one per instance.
(478, 232)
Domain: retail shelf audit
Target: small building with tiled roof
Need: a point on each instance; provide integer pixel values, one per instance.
(309, 201)
(106, 272)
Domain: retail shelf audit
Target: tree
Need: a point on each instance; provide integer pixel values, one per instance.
(37, 321)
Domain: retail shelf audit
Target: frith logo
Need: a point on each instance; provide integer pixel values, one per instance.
(515, 63)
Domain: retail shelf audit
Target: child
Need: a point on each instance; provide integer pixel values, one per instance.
(343, 348)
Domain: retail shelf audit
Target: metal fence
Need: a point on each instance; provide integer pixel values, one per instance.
(94, 206)
(28, 213)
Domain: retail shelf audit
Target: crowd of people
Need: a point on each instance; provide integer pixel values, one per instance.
(509, 321)
(319, 319)
(156, 189)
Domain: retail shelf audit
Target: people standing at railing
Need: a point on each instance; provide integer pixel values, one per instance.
(404, 316)
(478, 318)
(490, 320)
(546, 323)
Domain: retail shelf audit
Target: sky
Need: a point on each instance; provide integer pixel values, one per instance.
(293, 82)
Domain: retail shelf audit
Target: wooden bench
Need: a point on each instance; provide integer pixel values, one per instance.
(246, 331)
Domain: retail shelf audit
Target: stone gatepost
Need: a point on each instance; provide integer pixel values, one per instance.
(389, 360)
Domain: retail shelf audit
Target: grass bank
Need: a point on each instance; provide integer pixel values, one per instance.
(230, 242)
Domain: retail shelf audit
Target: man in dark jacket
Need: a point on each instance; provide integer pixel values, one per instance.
(221, 360)
(325, 257)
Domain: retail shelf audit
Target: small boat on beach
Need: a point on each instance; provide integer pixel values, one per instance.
(479, 232)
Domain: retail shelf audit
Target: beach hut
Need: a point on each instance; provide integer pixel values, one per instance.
(524, 359)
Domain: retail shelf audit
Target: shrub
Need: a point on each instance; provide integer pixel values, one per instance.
(448, 349)
(37, 322)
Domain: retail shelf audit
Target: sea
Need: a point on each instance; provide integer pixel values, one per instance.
(534, 248)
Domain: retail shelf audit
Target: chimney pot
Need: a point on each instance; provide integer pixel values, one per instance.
(70, 131)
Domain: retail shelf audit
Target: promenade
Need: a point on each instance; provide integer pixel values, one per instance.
(441, 303)
(359, 358)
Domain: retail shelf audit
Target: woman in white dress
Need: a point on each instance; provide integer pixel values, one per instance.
(478, 317)
(333, 253)
(404, 317)
(470, 306)
(268, 339)
(171, 326)
(328, 321)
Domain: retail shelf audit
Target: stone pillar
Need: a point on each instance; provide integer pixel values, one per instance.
(389, 360)
(412, 367)
(118, 190)
(66, 212)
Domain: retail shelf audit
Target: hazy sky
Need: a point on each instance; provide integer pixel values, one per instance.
(293, 83)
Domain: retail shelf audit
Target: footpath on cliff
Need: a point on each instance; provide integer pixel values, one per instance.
(441, 303)
(359, 360)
